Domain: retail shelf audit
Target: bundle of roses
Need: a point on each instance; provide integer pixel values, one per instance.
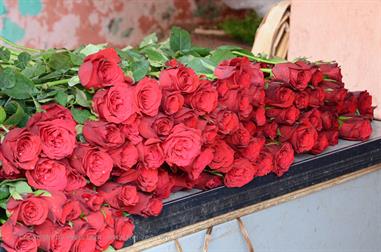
(159, 136)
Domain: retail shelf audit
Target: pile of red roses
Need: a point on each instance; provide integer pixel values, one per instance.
(156, 137)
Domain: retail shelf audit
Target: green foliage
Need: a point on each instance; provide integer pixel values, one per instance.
(179, 40)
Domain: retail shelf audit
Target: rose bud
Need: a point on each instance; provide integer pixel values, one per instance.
(283, 116)
(239, 138)
(164, 185)
(182, 79)
(348, 106)
(148, 96)
(334, 92)
(364, 103)
(30, 211)
(355, 129)
(55, 238)
(199, 164)
(48, 174)
(298, 74)
(101, 69)
(207, 181)
(16, 237)
(241, 173)
(302, 100)
(115, 104)
(147, 179)
(70, 211)
(86, 240)
(321, 144)
(125, 157)
(331, 70)
(205, 99)
(283, 157)
(264, 162)
(172, 102)
(314, 117)
(316, 97)
(182, 146)
(227, 122)
(124, 228)
(104, 134)
(239, 73)
(279, 96)
(253, 149)
(329, 120)
(150, 153)
(223, 156)
(21, 148)
(332, 136)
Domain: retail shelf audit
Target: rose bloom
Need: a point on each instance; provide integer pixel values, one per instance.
(182, 146)
(239, 72)
(163, 125)
(147, 179)
(207, 181)
(48, 174)
(115, 104)
(124, 228)
(331, 70)
(302, 100)
(104, 134)
(304, 138)
(316, 97)
(205, 99)
(125, 157)
(227, 122)
(151, 154)
(101, 69)
(297, 74)
(16, 237)
(55, 238)
(334, 92)
(264, 162)
(240, 138)
(98, 165)
(128, 195)
(321, 144)
(241, 173)
(284, 116)
(355, 129)
(223, 156)
(279, 96)
(259, 116)
(148, 96)
(199, 164)
(182, 79)
(52, 111)
(253, 149)
(86, 240)
(164, 185)
(172, 102)
(283, 157)
(364, 103)
(31, 211)
(21, 148)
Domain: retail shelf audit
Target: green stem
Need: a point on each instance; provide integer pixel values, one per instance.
(258, 59)
(267, 70)
(4, 128)
(49, 84)
(6, 41)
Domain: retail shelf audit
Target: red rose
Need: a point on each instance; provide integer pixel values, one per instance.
(264, 162)
(172, 102)
(321, 144)
(151, 154)
(205, 99)
(70, 211)
(51, 112)
(253, 149)
(74, 179)
(104, 134)
(199, 164)
(115, 104)
(21, 148)
(331, 70)
(183, 79)
(147, 206)
(240, 138)
(334, 92)
(18, 238)
(317, 76)
(259, 116)
(298, 74)
(7, 170)
(241, 173)
(148, 96)
(283, 116)
(147, 179)
(227, 122)
(105, 238)
(207, 181)
(163, 125)
(128, 195)
(283, 157)
(86, 240)
(182, 146)
(223, 156)
(125, 157)
(348, 106)
(165, 184)
(316, 97)
(124, 228)
(131, 130)
(90, 199)
(48, 174)
(209, 133)
(355, 129)
(314, 117)
(302, 137)
(101, 69)
(270, 130)
(239, 72)
(55, 238)
(302, 100)
(188, 117)
(279, 96)
(329, 120)
(245, 107)
(31, 211)
(332, 136)
(364, 103)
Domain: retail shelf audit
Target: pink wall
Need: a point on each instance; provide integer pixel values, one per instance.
(347, 31)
